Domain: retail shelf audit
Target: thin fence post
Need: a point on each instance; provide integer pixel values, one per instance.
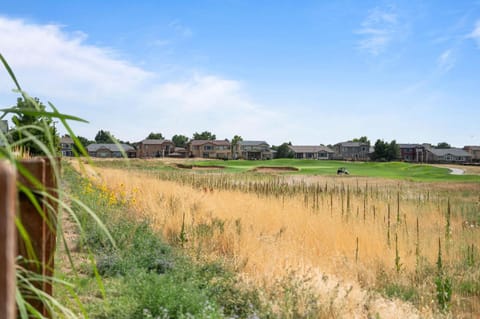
(34, 224)
(51, 225)
(7, 241)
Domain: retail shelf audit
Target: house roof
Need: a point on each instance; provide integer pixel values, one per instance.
(451, 151)
(214, 142)
(252, 143)
(472, 147)
(154, 141)
(110, 147)
(352, 144)
(66, 140)
(310, 148)
(409, 145)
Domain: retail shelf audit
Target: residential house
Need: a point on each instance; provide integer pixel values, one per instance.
(412, 152)
(447, 155)
(209, 149)
(474, 151)
(253, 150)
(352, 151)
(318, 152)
(66, 145)
(154, 148)
(110, 150)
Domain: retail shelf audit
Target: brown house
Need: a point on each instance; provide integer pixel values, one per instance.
(352, 151)
(412, 152)
(209, 149)
(155, 148)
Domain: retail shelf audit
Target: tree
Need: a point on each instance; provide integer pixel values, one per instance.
(180, 140)
(443, 145)
(386, 151)
(235, 140)
(104, 137)
(34, 129)
(155, 136)
(362, 139)
(284, 151)
(393, 151)
(204, 136)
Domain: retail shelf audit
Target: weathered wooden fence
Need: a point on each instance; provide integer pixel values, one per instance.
(39, 222)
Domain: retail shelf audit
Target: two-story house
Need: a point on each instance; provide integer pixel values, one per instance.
(154, 148)
(353, 151)
(66, 146)
(209, 149)
(412, 152)
(318, 152)
(253, 150)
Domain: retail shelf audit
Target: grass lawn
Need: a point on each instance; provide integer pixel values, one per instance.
(395, 170)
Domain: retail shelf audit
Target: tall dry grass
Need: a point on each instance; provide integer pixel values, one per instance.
(344, 232)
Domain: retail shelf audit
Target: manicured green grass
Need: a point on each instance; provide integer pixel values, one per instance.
(395, 170)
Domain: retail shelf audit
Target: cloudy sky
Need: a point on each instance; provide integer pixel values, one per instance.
(308, 72)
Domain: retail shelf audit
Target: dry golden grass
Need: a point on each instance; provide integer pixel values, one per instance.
(264, 236)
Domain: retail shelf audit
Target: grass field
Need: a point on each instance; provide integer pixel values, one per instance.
(343, 245)
(395, 170)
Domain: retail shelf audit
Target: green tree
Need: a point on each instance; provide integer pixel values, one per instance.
(362, 139)
(104, 137)
(384, 151)
(284, 151)
(443, 145)
(180, 140)
(235, 140)
(393, 151)
(155, 136)
(204, 136)
(33, 130)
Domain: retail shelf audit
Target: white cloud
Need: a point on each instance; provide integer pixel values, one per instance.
(476, 33)
(113, 94)
(446, 61)
(377, 30)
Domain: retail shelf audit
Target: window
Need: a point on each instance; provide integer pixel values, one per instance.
(207, 147)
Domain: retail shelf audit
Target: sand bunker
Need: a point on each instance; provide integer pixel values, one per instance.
(275, 169)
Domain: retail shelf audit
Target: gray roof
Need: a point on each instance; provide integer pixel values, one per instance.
(252, 143)
(214, 142)
(409, 145)
(310, 148)
(451, 151)
(110, 147)
(154, 141)
(66, 140)
(352, 144)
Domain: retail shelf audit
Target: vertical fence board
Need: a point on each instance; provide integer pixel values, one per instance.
(7, 241)
(34, 224)
(51, 229)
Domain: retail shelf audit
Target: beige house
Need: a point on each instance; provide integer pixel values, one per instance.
(318, 152)
(352, 151)
(66, 145)
(209, 149)
(253, 150)
(110, 150)
(154, 148)
(474, 151)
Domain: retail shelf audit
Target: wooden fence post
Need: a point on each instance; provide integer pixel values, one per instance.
(51, 224)
(7, 241)
(34, 224)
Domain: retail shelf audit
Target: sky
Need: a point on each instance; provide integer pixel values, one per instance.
(306, 72)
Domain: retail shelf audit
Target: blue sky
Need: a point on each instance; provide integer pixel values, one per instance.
(308, 72)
